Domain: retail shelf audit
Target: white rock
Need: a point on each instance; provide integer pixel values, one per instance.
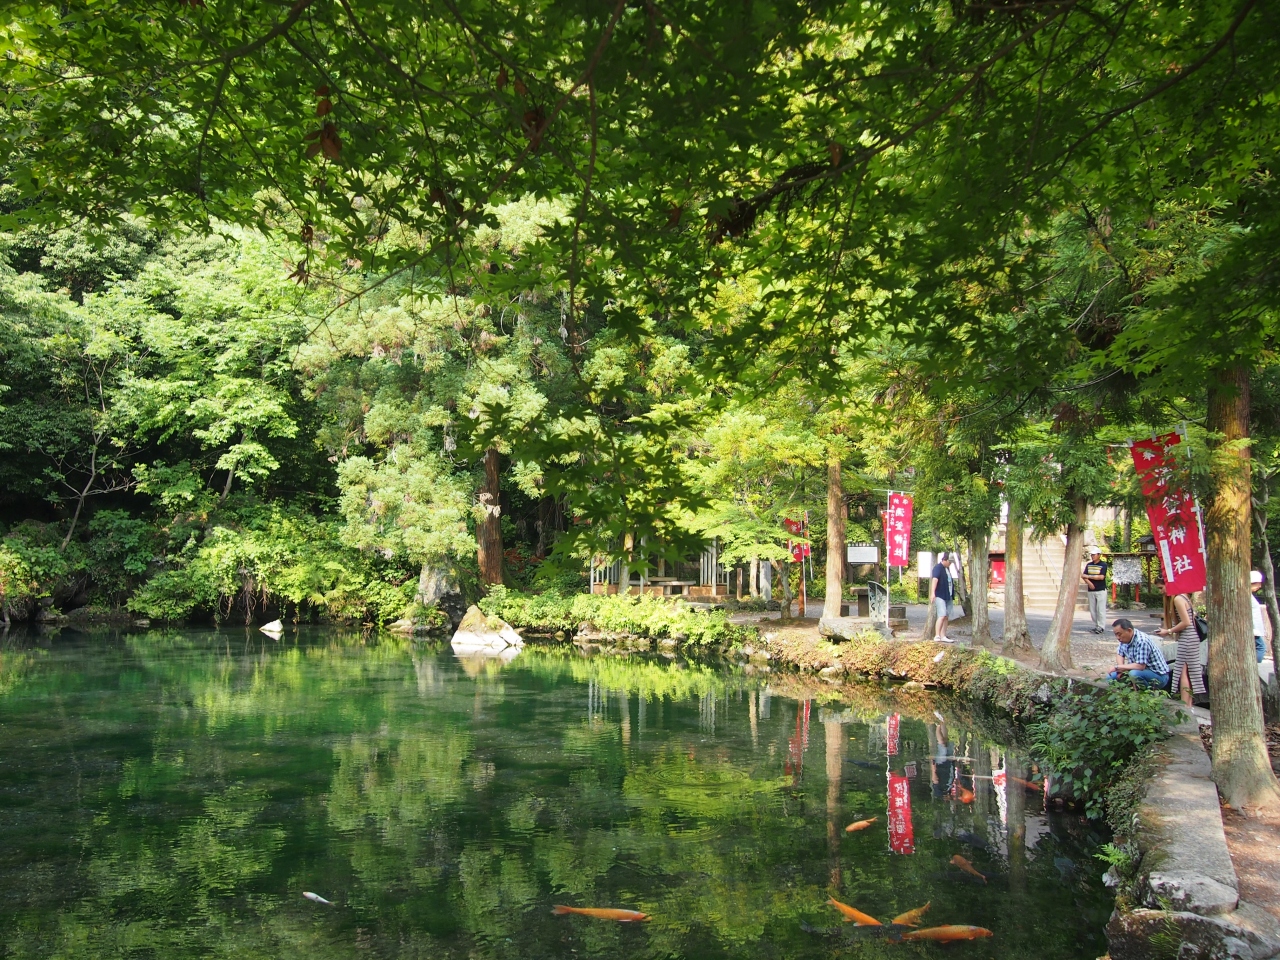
(478, 633)
(273, 629)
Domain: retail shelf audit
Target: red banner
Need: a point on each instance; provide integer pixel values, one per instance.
(897, 529)
(798, 550)
(902, 837)
(891, 735)
(1174, 516)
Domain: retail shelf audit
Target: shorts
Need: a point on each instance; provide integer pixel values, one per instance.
(940, 606)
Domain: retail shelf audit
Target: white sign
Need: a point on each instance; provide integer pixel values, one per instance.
(863, 553)
(924, 564)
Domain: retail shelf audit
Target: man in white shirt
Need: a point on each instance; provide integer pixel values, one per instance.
(1261, 622)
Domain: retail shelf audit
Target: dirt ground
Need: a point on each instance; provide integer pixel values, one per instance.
(1254, 843)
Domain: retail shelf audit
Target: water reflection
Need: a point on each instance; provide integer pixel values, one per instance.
(171, 794)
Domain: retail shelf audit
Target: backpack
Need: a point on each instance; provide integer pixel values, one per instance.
(1201, 624)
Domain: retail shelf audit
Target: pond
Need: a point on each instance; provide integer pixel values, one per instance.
(171, 794)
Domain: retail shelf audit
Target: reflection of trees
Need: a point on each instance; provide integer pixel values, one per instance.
(446, 825)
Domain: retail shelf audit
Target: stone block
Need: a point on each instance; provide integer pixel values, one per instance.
(1248, 933)
(1185, 862)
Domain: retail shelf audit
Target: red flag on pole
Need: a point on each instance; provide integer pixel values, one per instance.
(1174, 515)
(891, 734)
(897, 529)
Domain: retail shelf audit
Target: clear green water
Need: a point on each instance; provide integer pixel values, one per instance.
(171, 794)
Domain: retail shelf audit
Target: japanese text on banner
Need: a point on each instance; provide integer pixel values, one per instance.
(897, 529)
(1174, 515)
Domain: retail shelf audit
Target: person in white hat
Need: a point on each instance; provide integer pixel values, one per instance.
(1261, 622)
(1095, 579)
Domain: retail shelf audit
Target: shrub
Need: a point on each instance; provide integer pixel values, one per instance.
(1093, 734)
(250, 560)
(645, 616)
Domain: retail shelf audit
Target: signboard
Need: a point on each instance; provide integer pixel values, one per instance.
(891, 736)
(862, 553)
(902, 838)
(1174, 515)
(897, 529)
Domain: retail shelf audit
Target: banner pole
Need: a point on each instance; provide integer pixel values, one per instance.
(888, 518)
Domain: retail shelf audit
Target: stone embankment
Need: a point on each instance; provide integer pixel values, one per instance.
(1184, 888)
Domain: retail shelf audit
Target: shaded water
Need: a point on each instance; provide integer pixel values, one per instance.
(171, 794)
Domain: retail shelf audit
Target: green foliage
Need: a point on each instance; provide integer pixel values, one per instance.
(1093, 734)
(118, 553)
(30, 563)
(645, 616)
(270, 555)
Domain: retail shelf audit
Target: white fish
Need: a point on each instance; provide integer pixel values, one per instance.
(315, 897)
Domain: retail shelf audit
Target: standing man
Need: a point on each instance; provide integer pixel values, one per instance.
(1095, 578)
(941, 592)
(1139, 656)
(1261, 622)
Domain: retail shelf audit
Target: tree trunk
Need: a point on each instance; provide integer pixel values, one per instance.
(1241, 766)
(835, 540)
(834, 735)
(489, 530)
(1056, 652)
(979, 580)
(783, 570)
(624, 572)
(931, 615)
(93, 475)
(1017, 638)
(1017, 804)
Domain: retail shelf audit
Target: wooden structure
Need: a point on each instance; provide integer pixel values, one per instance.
(703, 579)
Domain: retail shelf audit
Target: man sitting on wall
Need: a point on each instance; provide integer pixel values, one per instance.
(1139, 657)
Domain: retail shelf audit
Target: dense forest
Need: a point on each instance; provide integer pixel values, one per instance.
(330, 309)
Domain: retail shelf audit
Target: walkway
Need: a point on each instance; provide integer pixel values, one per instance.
(1092, 654)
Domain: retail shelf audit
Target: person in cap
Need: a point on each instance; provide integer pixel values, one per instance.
(1095, 580)
(1261, 622)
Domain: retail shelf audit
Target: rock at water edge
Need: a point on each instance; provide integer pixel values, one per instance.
(478, 633)
(273, 629)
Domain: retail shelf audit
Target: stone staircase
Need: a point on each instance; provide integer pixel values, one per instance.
(1042, 573)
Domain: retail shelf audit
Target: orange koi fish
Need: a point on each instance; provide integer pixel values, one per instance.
(860, 825)
(967, 867)
(1027, 783)
(912, 917)
(602, 913)
(854, 916)
(965, 794)
(947, 934)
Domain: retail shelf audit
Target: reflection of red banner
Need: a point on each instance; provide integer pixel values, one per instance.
(897, 529)
(891, 736)
(798, 744)
(1174, 516)
(902, 837)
